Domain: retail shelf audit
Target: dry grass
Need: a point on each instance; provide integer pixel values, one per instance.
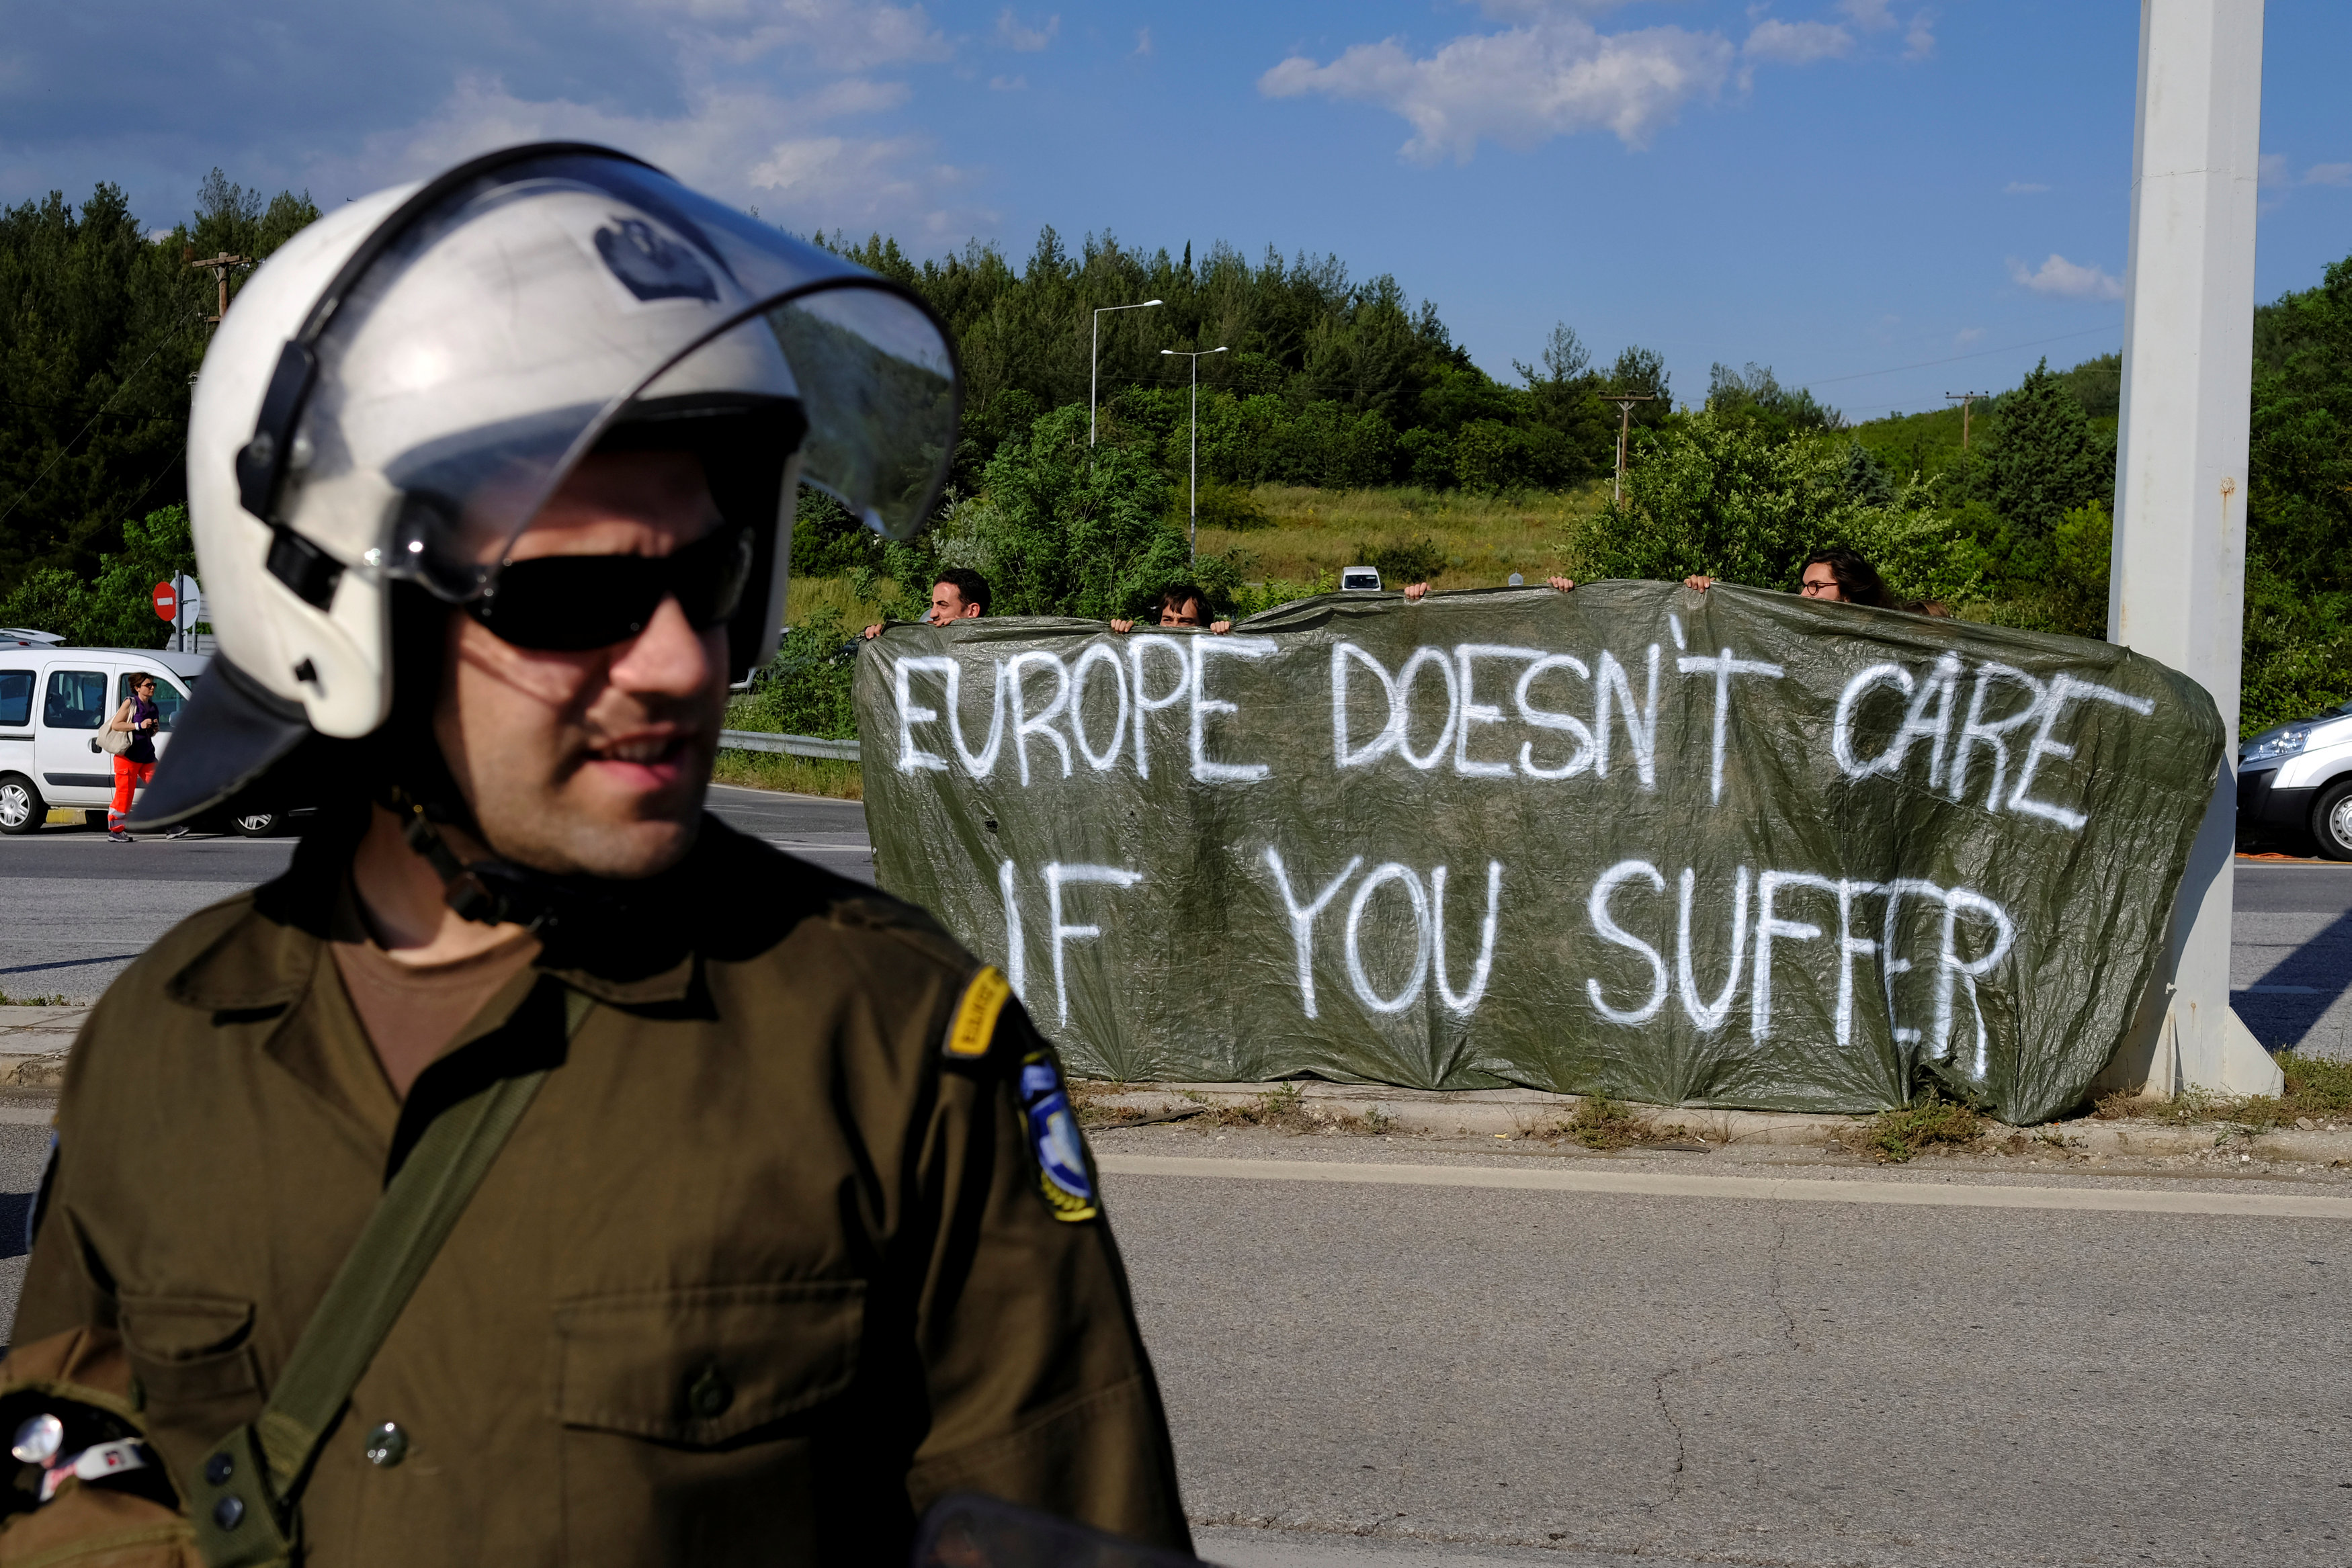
(793, 775)
(809, 595)
(1929, 1121)
(1281, 1109)
(1484, 539)
(1284, 1108)
(2318, 1094)
(1600, 1122)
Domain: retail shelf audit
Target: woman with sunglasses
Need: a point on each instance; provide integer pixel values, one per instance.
(135, 765)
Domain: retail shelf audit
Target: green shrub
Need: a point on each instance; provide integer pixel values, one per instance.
(1072, 530)
(806, 688)
(1723, 497)
(1403, 561)
(115, 608)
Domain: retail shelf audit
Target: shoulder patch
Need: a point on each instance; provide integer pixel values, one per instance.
(973, 1028)
(1065, 1179)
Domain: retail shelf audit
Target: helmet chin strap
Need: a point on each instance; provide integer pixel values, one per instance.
(495, 891)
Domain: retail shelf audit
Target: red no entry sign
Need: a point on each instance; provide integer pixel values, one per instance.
(167, 601)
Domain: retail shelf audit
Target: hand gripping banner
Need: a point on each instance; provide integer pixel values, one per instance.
(1729, 848)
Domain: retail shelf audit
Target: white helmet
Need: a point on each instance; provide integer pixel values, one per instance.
(404, 383)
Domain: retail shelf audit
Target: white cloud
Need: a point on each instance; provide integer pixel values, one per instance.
(2271, 170)
(733, 142)
(2022, 188)
(2328, 175)
(1919, 38)
(1554, 76)
(1027, 40)
(1797, 43)
(1873, 15)
(843, 35)
(1143, 41)
(1966, 335)
(1008, 84)
(2059, 278)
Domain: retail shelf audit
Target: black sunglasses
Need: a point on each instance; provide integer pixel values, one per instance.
(570, 603)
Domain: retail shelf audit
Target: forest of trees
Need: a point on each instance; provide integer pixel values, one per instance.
(102, 325)
(1326, 381)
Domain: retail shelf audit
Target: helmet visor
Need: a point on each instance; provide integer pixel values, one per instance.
(514, 315)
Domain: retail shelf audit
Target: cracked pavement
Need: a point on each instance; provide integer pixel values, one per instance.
(1395, 1375)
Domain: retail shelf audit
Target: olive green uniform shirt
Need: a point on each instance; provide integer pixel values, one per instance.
(762, 1272)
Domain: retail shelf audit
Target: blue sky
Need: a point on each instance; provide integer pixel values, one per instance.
(1835, 188)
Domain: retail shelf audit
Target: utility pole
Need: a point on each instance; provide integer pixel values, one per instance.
(1094, 354)
(1625, 401)
(2176, 583)
(220, 267)
(1965, 399)
(1195, 358)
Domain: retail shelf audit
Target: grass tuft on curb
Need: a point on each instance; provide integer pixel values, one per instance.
(1898, 1135)
(2317, 1091)
(1285, 1109)
(1602, 1124)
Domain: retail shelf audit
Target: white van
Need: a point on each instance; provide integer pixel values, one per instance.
(53, 702)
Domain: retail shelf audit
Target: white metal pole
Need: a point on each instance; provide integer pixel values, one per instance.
(1194, 355)
(2176, 580)
(1094, 354)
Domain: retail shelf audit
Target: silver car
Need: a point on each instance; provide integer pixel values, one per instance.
(2297, 779)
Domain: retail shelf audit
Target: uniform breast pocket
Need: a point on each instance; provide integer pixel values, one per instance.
(192, 1354)
(701, 1367)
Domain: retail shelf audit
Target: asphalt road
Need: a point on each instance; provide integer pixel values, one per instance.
(2291, 956)
(73, 923)
(1440, 1375)
(1402, 1377)
(79, 907)
(1394, 1375)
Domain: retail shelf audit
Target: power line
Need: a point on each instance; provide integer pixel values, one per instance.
(1967, 400)
(77, 435)
(1956, 359)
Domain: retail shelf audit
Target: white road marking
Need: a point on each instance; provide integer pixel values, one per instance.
(1766, 1189)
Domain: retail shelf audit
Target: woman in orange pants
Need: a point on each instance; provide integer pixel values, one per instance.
(136, 765)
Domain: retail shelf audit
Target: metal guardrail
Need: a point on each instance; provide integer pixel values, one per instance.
(792, 745)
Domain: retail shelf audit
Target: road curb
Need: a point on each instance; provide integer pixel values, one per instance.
(1532, 1112)
(35, 1043)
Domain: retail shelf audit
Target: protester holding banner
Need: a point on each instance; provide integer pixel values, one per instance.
(1180, 606)
(1738, 848)
(1839, 575)
(959, 594)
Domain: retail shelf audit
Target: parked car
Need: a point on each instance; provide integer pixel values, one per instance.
(2295, 785)
(53, 702)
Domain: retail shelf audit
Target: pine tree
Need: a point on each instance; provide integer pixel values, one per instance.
(2044, 462)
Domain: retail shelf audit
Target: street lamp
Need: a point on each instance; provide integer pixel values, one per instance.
(1094, 352)
(1195, 358)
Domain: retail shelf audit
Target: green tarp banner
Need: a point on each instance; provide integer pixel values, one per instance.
(1732, 848)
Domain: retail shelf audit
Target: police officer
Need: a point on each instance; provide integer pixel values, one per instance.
(491, 480)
